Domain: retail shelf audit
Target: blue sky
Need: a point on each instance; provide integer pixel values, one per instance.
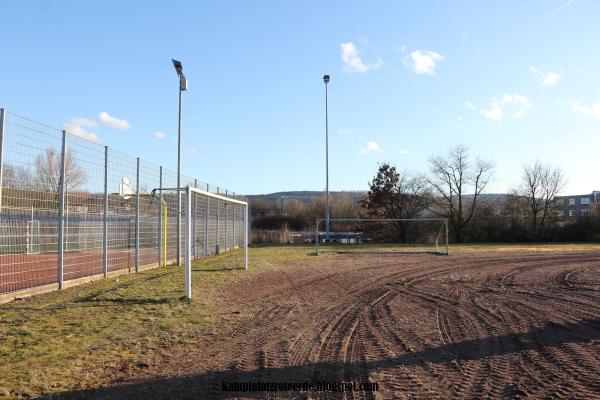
(515, 81)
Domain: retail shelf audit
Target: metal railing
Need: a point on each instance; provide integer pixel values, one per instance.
(63, 215)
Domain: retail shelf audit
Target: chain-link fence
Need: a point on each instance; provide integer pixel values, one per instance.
(71, 208)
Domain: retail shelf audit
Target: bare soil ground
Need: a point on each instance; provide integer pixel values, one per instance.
(467, 326)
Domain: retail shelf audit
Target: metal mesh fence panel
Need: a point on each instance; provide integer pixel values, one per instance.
(31, 154)
(122, 175)
(84, 206)
(117, 212)
(150, 213)
(229, 212)
(170, 197)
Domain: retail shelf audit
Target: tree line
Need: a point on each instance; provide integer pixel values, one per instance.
(452, 188)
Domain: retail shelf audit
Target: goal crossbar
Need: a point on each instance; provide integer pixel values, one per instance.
(387, 249)
(191, 191)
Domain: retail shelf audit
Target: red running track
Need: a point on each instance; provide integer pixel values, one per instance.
(24, 271)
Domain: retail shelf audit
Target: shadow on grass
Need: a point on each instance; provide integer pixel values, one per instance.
(98, 295)
(210, 385)
(101, 302)
(224, 269)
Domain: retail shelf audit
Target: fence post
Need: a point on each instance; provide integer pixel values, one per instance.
(2, 124)
(246, 233)
(317, 236)
(217, 249)
(137, 217)
(249, 220)
(206, 251)
(226, 220)
(447, 247)
(195, 202)
(105, 216)
(61, 212)
(188, 243)
(160, 218)
(233, 212)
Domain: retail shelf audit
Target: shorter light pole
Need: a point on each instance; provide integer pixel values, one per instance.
(182, 88)
(326, 80)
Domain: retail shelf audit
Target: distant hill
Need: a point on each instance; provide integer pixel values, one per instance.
(307, 196)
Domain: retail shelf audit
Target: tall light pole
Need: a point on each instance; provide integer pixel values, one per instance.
(326, 80)
(182, 88)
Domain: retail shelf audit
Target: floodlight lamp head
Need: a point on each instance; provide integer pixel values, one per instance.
(178, 68)
(326, 79)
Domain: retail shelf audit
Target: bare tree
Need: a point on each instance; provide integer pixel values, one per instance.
(453, 177)
(540, 185)
(48, 170)
(595, 210)
(514, 212)
(397, 195)
(345, 206)
(16, 176)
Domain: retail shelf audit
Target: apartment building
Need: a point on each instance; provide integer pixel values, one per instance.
(578, 205)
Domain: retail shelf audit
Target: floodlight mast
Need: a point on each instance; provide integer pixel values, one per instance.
(182, 87)
(326, 80)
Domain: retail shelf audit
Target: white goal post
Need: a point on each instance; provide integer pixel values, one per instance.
(204, 212)
(382, 235)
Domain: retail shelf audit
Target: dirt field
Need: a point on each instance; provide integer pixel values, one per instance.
(504, 325)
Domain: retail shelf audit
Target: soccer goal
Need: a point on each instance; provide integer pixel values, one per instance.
(214, 224)
(420, 235)
(32, 237)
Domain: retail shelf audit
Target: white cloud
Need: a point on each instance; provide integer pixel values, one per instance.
(113, 122)
(495, 112)
(521, 103)
(425, 62)
(88, 123)
(591, 110)
(371, 147)
(352, 60)
(160, 135)
(465, 35)
(470, 105)
(546, 78)
(193, 152)
(76, 130)
(403, 152)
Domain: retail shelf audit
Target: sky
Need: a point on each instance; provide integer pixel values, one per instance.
(514, 81)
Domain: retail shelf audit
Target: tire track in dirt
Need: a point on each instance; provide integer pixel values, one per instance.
(422, 326)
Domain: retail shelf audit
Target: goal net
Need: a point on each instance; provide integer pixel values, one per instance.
(425, 235)
(32, 237)
(214, 224)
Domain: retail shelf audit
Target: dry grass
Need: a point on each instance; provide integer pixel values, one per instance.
(77, 338)
(527, 247)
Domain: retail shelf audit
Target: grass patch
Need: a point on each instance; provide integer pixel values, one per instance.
(71, 339)
(463, 248)
(525, 247)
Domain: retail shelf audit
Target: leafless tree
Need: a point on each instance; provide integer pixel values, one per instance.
(540, 185)
(453, 176)
(345, 206)
(48, 170)
(514, 212)
(595, 210)
(16, 176)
